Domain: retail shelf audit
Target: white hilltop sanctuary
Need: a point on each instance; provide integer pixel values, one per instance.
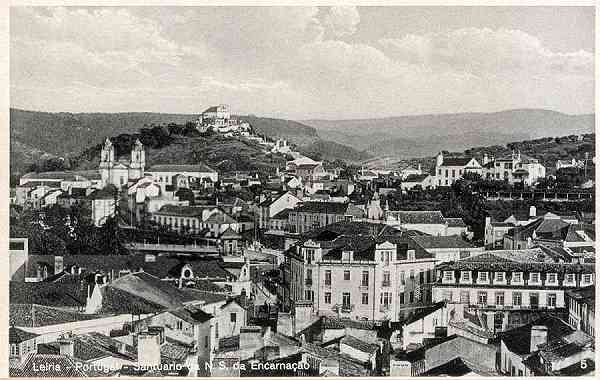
(218, 119)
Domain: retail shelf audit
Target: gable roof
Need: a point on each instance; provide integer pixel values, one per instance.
(455, 222)
(16, 335)
(434, 242)
(416, 217)
(423, 312)
(519, 340)
(359, 344)
(456, 161)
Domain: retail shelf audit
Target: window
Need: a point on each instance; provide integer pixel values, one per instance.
(586, 278)
(386, 279)
(465, 275)
(217, 330)
(385, 299)
(346, 275)
(346, 300)
(365, 298)
(179, 325)
(448, 275)
(499, 298)
(517, 277)
(464, 298)
(446, 172)
(327, 297)
(365, 278)
(14, 349)
(440, 171)
(534, 277)
(233, 317)
(482, 298)
(421, 278)
(534, 300)
(453, 173)
(551, 300)
(309, 277)
(410, 254)
(499, 276)
(411, 297)
(402, 279)
(570, 278)
(327, 277)
(309, 295)
(517, 299)
(551, 278)
(401, 298)
(310, 256)
(412, 274)
(482, 277)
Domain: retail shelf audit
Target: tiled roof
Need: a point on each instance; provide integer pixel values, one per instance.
(173, 353)
(455, 367)
(416, 178)
(421, 313)
(348, 366)
(359, 344)
(191, 314)
(434, 242)
(64, 176)
(455, 222)
(200, 167)
(28, 315)
(228, 344)
(187, 211)
(456, 161)
(337, 208)
(416, 217)
(49, 294)
(519, 340)
(283, 214)
(117, 301)
(529, 260)
(220, 218)
(16, 335)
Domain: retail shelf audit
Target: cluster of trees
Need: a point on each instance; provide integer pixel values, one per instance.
(62, 231)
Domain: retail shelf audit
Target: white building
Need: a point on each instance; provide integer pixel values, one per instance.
(450, 169)
(514, 168)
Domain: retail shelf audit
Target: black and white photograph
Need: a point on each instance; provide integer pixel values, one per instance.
(301, 191)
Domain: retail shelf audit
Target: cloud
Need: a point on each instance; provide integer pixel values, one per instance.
(300, 62)
(342, 20)
(483, 51)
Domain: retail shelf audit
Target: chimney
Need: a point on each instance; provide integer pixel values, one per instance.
(486, 159)
(67, 346)
(539, 335)
(532, 212)
(251, 340)
(148, 350)
(58, 264)
(160, 330)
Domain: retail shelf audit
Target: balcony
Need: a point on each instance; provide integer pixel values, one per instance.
(385, 308)
(386, 284)
(308, 282)
(347, 308)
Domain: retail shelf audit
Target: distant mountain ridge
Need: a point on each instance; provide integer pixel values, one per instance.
(425, 135)
(40, 134)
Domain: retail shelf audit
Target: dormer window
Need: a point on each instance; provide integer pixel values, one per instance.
(534, 278)
(570, 279)
(482, 277)
(410, 254)
(448, 276)
(187, 273)
(517, 278)
(347, 255)
(586, 279)
(499, 277)
(465, 276)
(551, 279)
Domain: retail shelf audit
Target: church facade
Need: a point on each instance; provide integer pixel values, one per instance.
(119, 172)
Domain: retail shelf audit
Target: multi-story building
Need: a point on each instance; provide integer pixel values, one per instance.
(311, 215)
(274, 205)
(498, 284)
(581, 305)
(514, 167)
(450, 169)
(359, 271)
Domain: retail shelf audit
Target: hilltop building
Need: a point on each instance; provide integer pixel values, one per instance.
(450, 169)
(119, 172)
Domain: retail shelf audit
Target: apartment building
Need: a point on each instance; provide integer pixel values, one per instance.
(310, 215)
(499, 283)
(360, 271)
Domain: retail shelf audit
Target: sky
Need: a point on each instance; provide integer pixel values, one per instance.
(302, 62)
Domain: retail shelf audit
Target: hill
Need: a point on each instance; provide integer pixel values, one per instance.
(425, 135)
(34, 134)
